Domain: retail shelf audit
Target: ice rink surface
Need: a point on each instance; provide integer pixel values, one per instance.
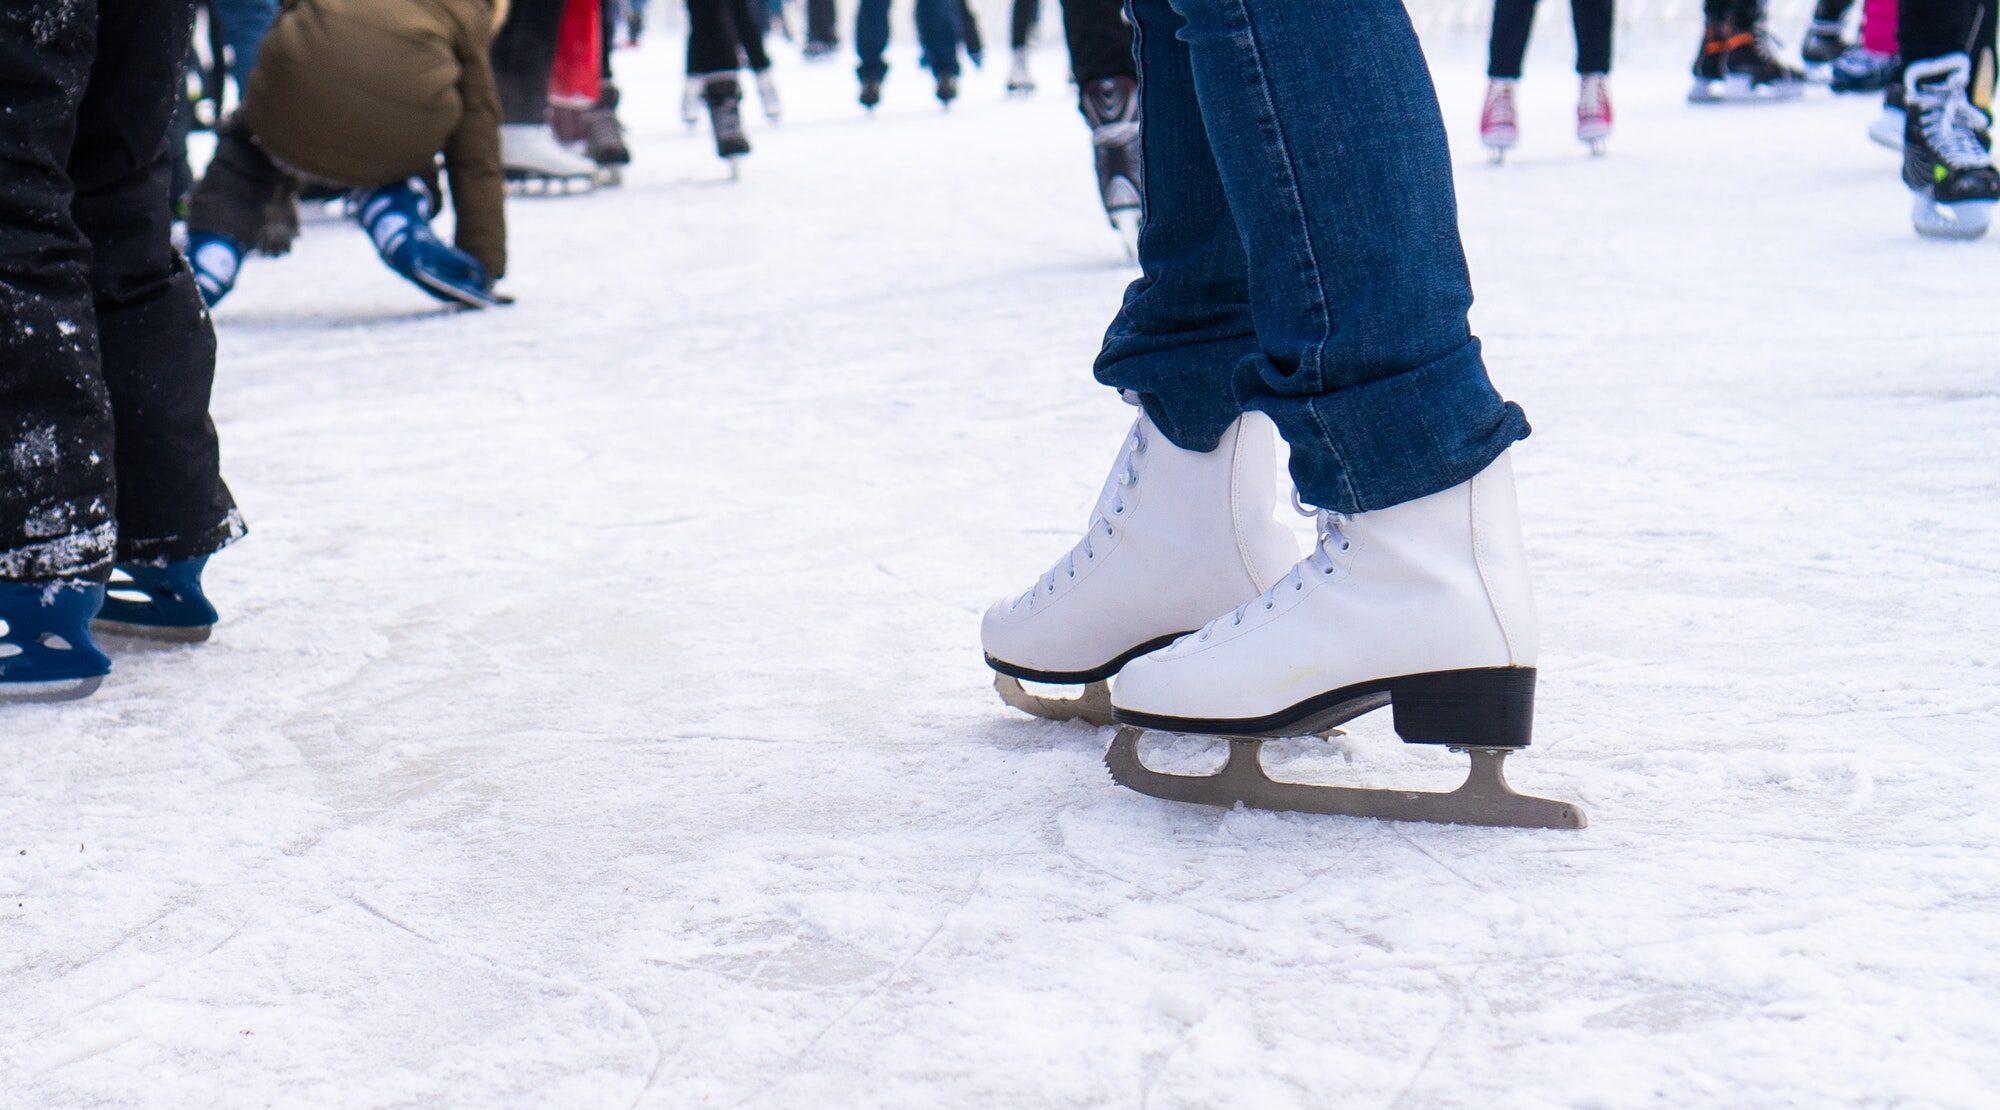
(598, 718)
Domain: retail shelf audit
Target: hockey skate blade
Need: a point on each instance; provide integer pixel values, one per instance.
(1092, 706)
(1963, 220)
(1484, 798)
(31, 693)
(165, 634)
(1126, 222)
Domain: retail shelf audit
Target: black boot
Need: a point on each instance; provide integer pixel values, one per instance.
(725, 115)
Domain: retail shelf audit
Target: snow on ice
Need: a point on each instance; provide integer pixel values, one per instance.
(598, 720)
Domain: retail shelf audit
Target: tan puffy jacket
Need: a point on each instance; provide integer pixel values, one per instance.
(365, 92)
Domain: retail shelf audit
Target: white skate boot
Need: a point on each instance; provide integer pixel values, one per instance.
(538, 162)
(1423, 607)
(1177, 536)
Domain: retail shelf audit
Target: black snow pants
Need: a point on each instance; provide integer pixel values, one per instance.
(106, 357)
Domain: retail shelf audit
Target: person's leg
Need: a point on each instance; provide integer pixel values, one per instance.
(1100, 41)
(1512, 20)
(1334, 164)
(871, 38)
(244, 23)
(822, 24)
(524, 53)
(1022, 20)
(57, 498)
(968, 31)
(711, 39)
(157, 346)
(750, 33)
(1593, 20)
(939, 33)
(1186, 322)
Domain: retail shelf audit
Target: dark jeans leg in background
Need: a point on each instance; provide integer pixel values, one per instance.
(1592, 20)
(968, 31)
(1100, 41)
(822, 22)
(524, 52)
(105, 377)
(750, 33)
(940, 33)
(711, 39)
(1022, 20)
(1327, 153)
(871, 38)
(1512, 20)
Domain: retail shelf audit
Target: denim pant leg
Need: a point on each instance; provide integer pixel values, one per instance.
(871, 38)
(244, 23)
(1186, 322)
(1331, 152)
(939, 31)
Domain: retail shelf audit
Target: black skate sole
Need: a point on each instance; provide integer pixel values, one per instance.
(1484, 707)
(1079, 678)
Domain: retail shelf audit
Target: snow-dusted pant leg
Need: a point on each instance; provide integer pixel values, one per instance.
(106, 357)
(1308, 264)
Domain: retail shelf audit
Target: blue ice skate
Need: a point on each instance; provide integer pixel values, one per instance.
(46, 653)
(398, 218)
(159, 602)
(215, 260)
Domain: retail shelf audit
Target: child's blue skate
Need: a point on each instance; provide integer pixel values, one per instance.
(159, 603)
(46, 653)
(398, 218)
(215, 260)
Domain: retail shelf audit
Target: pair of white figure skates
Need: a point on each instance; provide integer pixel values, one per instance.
(1423, 608)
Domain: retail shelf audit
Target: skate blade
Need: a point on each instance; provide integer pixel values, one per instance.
(31, 693)
(1964, 220)
(165, 634)
(1126, 222)
(1092, 706)
(1484, 798)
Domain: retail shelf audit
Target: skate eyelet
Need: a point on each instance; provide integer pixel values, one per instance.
(1297, 586)
(1268, 605)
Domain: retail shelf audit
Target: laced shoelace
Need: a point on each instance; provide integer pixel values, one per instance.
(1499, 105)
(1332, 541)
(1592, 101)
(1110, 505)
(1948, 123)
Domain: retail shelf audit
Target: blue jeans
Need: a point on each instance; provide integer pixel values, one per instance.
(938, 32)
(1300, 254)
(244, 23)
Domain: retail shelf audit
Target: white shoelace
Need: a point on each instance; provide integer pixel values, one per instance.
(1110, 505)
(1499, 105)
(1332, 541)
(1948, 126)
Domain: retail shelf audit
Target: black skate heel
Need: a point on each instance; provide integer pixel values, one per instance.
(1490, 707)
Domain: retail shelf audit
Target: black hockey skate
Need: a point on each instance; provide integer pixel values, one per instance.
(1111, 104)
(871, 92)
(1945, 162)
(947, 90)
(1741, 67)
(725, 115)
(1860, 70)
(604, 136)
(1825, 38)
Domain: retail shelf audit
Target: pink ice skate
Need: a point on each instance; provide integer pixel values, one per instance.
(1497, 128)
(1593, 112)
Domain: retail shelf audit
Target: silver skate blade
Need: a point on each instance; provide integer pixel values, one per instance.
(1092, 706)
(1483, 799)
(26, 693)
(1126, 221)
(186, 635)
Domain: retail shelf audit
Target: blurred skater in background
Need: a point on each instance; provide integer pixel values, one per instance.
(1499, 126)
